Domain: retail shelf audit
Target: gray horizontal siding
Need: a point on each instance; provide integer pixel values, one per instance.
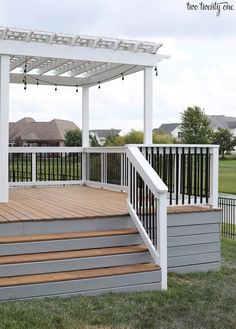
(110, 283)
(70, 244)
(193, 241)
(63, 226)
(193, 229)
(193, 249)
(196, 268)
(73, 264)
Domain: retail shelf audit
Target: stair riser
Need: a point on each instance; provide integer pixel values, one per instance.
(69, 244)
(73, 264)
(64, 226)
(118, 283)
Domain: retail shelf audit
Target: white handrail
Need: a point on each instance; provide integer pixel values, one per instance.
(145, 170)
(50, 149)
(159, 190)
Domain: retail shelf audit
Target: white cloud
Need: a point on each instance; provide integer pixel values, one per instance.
(201, 70)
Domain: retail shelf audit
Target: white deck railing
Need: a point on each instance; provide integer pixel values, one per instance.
(147, 205)
(189, 171)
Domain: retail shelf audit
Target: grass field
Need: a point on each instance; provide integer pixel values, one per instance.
(196, 301)
(227, 175)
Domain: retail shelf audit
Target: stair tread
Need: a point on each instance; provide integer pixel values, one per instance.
(69, 235)
(60, 255)
(77, 275)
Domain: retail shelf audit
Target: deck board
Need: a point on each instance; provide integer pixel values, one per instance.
(68, 202)
(51, 203)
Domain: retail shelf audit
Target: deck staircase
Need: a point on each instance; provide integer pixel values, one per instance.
(79, 256)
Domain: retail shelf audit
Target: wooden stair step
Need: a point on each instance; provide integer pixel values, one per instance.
(64, 236)
(60, 255)
(77, 275)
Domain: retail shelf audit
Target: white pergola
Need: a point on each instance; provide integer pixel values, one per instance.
(45, 58)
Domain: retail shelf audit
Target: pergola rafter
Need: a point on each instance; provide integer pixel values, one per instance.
(45, 58)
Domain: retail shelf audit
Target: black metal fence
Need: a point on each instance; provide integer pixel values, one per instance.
(228, 224)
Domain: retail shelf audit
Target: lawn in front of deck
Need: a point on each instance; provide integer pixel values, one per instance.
(200, 300)
(227, 174)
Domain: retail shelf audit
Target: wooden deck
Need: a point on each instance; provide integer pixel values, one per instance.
(70, 202)
(51, 203)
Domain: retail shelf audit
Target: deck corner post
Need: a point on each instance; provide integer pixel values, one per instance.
(148, 104)
(162, 237)
(214, 172)
(4, 125)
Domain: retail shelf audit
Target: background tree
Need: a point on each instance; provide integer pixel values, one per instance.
(162, 138)
(136, 137)
(225, 139)
(111, 138)
(93, 141)
(18, 141)
(73, 137)
(195, 126)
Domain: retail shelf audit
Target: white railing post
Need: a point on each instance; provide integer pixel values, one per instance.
(162, 236)
(33, 167)
(102, 168)
(214, 172)
(84, 167)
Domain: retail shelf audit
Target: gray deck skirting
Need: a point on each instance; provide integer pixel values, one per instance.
(193, 242)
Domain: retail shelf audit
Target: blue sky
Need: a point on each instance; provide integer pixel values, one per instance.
(201, 71)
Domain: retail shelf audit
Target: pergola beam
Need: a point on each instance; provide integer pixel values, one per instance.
(58, 51)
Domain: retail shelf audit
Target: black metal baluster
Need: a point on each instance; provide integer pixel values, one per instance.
(177, 175)
(183, 171)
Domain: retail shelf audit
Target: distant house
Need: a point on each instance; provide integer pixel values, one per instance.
(28, 132)
(170, 128)
(101, 134)
(216, 121)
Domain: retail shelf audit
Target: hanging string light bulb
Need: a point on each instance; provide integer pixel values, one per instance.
(55, 87)
(99, 86)
(77, 89)
(37, 82)
(122, 76)
(156, 71)
(25, 71)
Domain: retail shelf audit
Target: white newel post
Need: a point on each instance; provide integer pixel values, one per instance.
(148, 104)
(162, 237)
(214, 172)
(85, 127)
(4, 126)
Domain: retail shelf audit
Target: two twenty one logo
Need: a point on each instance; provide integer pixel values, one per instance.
(217, 7)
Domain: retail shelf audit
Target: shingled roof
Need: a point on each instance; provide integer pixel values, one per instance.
(30, 130)
(167, 128)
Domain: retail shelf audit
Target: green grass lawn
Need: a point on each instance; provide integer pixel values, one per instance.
(227, 175)
(200, 300)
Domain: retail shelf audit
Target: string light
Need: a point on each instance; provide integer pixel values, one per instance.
(77, 86)
(25, 71)
(156, 71)
(122, 76)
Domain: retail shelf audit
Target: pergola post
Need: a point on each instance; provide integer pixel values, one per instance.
(85, 117)
(85, 128)
(148, 104)
(4, 126)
